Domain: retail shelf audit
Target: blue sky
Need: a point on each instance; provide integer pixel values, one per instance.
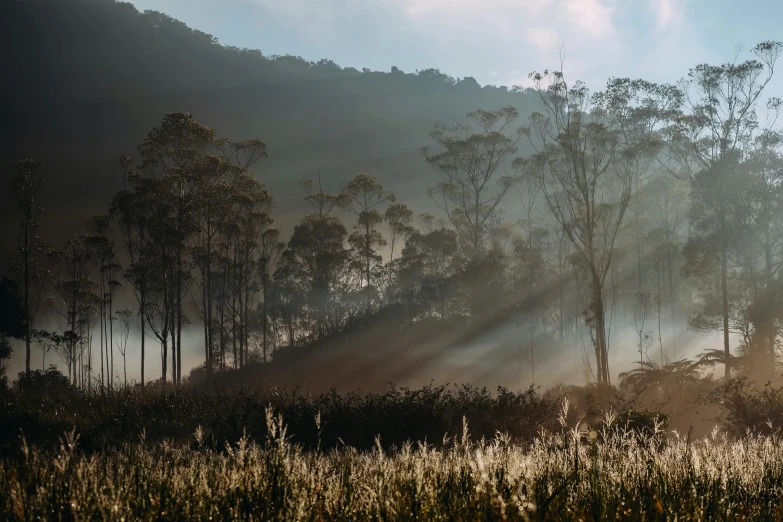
(495, 41)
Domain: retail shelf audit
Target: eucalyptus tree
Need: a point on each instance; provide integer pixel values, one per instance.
(399, 218)
(132, 208)
(124, 317)
(29, 259)
(199, 204)
(316, 258)
(73, 297)
(270, 251)
(252, 205)
(475, 171)
(362, 196)
(103, 239)
(171, 153)
(709, 142)
(475, 174)
(639, 111)
(161, 268)
(429, 265)
(47, 342)
(587, 192)
(667, 202)
(760, 221)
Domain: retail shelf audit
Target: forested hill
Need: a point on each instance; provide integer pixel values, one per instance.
(86, 79)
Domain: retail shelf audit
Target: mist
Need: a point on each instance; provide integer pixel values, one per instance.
(355, 245)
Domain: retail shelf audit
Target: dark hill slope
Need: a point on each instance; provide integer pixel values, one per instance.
(84, 80)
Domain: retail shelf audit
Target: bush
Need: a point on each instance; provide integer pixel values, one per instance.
(106, 420)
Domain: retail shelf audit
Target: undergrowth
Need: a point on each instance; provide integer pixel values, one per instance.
(569, 473)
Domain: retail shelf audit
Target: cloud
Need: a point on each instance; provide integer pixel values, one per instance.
(668, 13)
(463, 7)
(594, 18)
(545, 39)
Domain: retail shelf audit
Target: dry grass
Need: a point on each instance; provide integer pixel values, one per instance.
(613, 473)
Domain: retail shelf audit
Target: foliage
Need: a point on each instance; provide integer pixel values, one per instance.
(397, 415)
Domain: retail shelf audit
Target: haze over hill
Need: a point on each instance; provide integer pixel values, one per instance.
(92, 77)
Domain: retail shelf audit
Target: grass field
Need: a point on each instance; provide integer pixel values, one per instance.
(570, 474)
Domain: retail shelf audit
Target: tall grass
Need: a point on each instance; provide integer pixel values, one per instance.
(567, 474)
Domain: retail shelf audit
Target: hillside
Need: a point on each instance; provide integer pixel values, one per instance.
(90, 77)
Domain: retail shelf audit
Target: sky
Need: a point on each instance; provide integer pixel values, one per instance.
(495, 41)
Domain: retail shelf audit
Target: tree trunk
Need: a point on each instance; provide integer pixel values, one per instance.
(724, 286)
(725, 298)
(27, 289)
(142, 311)
(601, 352)
(265, 312)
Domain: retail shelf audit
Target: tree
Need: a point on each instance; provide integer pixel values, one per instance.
(172, 154)
(585, 188)
(399, 217)
(47, 342)
(124, 318)
(30, 248)
(316, 258)
(102, 228)
(271, 249)
(73, 299)
(132, 208)
(362, 196)
(192, 203)
(427, 277)
(475, 177)
(638, 110)
(711, 138)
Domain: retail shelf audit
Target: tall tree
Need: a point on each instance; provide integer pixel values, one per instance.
(399, 218)
(475, 174)
(132, 207)
(30, 249)
(712, 136)
(172, 153)
(473, 163)
(271, 248)
(73, 299)
(316, 258)
(362, 196)
(586, 190)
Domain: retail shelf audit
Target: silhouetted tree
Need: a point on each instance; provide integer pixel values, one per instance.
(361, 196)
(30, 248)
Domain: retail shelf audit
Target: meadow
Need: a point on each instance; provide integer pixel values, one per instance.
(615, 469)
